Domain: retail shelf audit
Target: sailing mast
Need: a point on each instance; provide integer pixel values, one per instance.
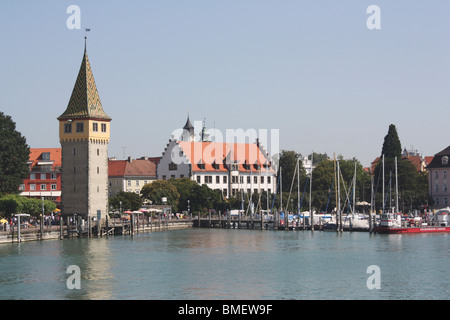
(311, 215)
(396, 187)
(383, 181)
(298, 192)
(338, 212)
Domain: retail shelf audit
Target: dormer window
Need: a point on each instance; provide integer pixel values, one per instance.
(444, 160)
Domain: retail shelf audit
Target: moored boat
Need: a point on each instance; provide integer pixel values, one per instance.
(391, 223)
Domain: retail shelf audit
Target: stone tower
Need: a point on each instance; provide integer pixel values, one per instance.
(84, 131)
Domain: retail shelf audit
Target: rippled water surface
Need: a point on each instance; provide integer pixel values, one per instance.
(229, 264)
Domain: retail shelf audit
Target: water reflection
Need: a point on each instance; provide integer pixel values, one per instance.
(228, 264)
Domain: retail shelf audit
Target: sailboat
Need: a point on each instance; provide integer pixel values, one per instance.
(391, 222)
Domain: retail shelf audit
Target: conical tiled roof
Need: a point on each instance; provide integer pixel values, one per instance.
(84, 101)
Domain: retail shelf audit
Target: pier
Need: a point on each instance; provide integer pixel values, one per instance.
(275, 223)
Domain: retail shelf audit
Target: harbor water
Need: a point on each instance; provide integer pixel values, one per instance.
(206, 264)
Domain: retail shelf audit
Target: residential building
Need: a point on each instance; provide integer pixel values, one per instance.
(84, 132)
(438, 175)
(44, 179)
(130, 175)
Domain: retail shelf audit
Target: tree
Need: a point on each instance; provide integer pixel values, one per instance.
(13, 203)
(13, 156)
(130, 201)
(391, 146)
(288, 162)
(159, 189)
(201, 197)
(412, 185)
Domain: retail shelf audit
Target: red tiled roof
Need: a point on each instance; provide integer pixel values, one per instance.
(137, 167)
(36, 156)
(246, 155)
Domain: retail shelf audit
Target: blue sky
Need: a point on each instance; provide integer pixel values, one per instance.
(311, 69)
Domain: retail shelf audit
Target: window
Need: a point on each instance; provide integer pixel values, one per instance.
(217, 179)
(98, 170)
(241, 179)
(255, 179)
(53, 176)
(208, 179)
(181, 175)
(103, 127)
(129, 182)
(43, 187)
(74, 151)
(445, 201)
(173, 166)
(445, 174)
(137, 183)
(46, 156)
(74, 170)
(262, 179)
(268, 179)
(436, 201)
(98, 152)
(225, 192)
(117, 183)
(95, 127)
(32, 187)
(53, 186)
(32, 176)
(198, 179)
(224, 179)
(80, 126)
(248, 179)
(444, 160)
(43, 176)
(67, 128)
(22, 187)
(445, 188)
(164, 177)
(436, 188)
(436, 175)
(145, 182)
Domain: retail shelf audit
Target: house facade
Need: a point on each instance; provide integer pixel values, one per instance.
(439, 178)
(44, 179)
(130, 175)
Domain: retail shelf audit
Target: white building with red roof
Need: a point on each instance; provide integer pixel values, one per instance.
(231, 168)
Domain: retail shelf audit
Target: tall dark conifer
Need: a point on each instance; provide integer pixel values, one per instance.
(391, 146)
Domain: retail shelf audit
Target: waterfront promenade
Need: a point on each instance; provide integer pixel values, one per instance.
(109, 228)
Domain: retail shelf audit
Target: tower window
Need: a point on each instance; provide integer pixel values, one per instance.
(80, 127)
(103, 127)
(95, 127)
(67, 128)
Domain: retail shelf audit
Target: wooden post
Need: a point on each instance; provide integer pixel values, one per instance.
(209, 218)
(61, 235)
(262, 220)
(239, 220)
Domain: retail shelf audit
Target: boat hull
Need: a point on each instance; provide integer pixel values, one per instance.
(430, 229)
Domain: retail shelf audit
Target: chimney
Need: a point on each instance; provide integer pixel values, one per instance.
(130, 159)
